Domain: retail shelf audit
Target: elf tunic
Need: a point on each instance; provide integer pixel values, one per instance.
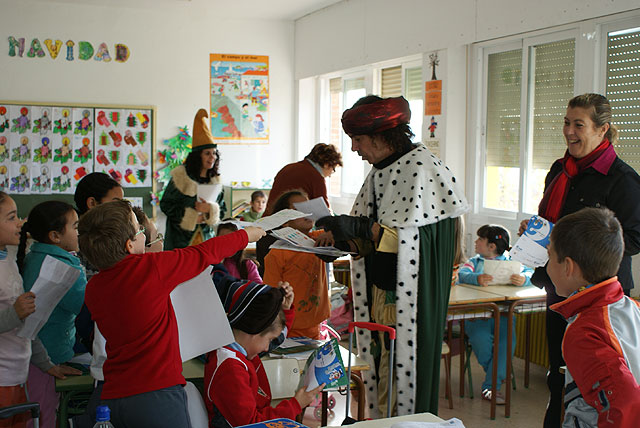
(178, 203)
(416, 195)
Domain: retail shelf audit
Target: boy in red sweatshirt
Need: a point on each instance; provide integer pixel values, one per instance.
(600, 345)
(129, 300)
(237, 390)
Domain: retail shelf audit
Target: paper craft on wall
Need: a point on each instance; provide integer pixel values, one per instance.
(239, 98)
(47, 149)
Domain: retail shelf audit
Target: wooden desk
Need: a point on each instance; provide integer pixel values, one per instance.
(515, 296)
(467, 299)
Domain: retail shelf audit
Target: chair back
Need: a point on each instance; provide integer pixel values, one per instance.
(283, 375)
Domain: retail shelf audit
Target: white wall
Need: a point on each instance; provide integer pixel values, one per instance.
(170, 43)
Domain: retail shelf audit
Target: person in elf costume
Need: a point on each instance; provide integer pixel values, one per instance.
(190, 219)
(402, 225)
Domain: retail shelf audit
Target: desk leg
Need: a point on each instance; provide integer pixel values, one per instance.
(527, 350)
(462, 354)
(325, 410)
(507, 397)
(63, 415)
(494, 375)
(357, 380)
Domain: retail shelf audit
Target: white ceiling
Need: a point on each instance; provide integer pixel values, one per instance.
(288, 10)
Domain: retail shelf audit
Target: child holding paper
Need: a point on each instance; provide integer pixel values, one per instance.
(237, 388)
(129, 298)
(492, 244)
(600, 343)
(54, 227)
(305, 272)
(15, 307)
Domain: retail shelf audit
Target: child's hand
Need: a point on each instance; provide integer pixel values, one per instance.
(305, 398)
(255, 233)
(325, 239)
(518, 280)
(25, 305)
(62, 370)
(288, 294)
(484, 279)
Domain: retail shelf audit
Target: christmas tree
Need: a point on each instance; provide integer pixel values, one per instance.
(173, 154)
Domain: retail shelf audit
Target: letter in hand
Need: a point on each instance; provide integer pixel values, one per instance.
(304, 398)
(25, 305)
(288, 294)
(484, 279)
(345, 227)
(254, 233)
(61, 371)
(202, 206)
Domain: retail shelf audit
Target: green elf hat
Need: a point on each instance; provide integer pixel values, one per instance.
(202, 138)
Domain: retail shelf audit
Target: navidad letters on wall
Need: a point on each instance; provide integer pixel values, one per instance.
(85, 50)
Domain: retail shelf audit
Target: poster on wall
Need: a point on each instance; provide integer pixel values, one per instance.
(433, 124)
(239, 98)
(49, 149)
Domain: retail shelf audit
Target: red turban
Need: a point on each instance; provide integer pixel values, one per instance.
(376, 117)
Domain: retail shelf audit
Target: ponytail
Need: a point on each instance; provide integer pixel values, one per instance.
(22, 247)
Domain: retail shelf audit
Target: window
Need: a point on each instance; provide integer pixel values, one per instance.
(623, 91)
(527, 86)
(343, 91)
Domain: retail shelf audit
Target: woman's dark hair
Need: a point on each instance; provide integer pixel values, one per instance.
(45, 217)
(496, 235)
(96, 185)
(238, 259)
(398, 138)
(193, 165)
(325, 155)
(282, 203)
(600, 112)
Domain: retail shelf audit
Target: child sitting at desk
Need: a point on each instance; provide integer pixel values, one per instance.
(129, 300)
(237, 388)
(492, 244)
(600, 343)
(305, 272)
(238, 265)
(258, 205)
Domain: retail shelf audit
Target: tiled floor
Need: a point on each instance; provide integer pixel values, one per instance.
(527, 408)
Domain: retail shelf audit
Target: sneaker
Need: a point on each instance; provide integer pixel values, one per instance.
(486, 395)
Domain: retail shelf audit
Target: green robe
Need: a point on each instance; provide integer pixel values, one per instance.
(178, 204)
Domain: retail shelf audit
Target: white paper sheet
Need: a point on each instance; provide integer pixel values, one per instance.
(278, 219)
(451, 423)
(202, 322)
(327, 251)
(317, 208)
(531, 247)
(501, 270)
(209, 192)
(53, 282)
(294, 237)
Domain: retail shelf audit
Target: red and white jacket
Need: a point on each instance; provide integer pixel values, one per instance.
(238, 389)
(602, 353)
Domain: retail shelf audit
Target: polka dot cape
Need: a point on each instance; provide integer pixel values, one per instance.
(414, 191)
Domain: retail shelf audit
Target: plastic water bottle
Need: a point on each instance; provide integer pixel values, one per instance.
(103, 415)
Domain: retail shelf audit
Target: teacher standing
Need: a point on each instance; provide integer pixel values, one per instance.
(190, 218)
(308, 175)
(589, 175)
(402, 226)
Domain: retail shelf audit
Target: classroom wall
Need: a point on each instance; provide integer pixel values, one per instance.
(168, 67)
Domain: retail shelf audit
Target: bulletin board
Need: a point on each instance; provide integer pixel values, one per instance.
(46, 148)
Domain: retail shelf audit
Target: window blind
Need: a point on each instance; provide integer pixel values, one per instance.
(413, 83)
(553, 71)
(623, 91)
(391, 82)
(503, 108)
